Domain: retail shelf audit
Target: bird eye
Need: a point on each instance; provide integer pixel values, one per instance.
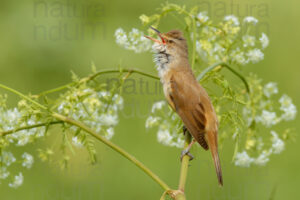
(171, 41)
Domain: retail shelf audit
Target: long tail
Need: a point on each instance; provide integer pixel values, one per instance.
(213, 145)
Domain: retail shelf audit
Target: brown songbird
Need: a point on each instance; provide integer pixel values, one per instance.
(184, 94)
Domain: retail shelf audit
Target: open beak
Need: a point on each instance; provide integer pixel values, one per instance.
(163, 41)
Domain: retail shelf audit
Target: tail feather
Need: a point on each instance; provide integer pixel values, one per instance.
(217, 163)
(213, 145)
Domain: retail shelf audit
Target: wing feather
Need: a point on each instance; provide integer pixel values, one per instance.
(191, 113)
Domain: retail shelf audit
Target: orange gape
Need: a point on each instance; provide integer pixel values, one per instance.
(184, 94)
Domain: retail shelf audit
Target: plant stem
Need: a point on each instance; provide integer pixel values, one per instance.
(4, 133)
(98, 137)
(184, 163)
(222, 64)
(194, 43)
(23, 96)
(93, 76)
(114, 147)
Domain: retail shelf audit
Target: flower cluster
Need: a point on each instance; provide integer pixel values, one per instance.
(263, 108)
(223, 42)
(277, 146)
(134, 40)
(169, 131)
(262, 111)
(24, 124)
(10, 120)
(6, 160)
(97, 109)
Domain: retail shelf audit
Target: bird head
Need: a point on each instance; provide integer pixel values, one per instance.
(173, 42)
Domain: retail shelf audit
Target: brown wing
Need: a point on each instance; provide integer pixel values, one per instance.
(189, 102)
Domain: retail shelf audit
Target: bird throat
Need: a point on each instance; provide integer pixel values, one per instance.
(162, 59)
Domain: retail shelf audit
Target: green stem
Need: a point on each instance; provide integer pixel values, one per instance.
(23, 96)
(63, 87)
(194, 42)
(222, 64)
(114, 147)
(4, 133)
(184, 163)
(93, 76)
(182, 10)
(98, 137)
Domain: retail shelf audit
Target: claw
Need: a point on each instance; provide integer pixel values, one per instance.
(186, 152)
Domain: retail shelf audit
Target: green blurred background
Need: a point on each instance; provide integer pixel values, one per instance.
(37, 53)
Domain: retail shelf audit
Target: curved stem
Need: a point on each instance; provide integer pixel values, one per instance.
(23, 96)
(114, 147)
(93, 76)
(222, 64)
(4, 133)
(98, 137)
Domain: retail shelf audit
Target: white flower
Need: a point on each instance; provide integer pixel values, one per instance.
(108, 120)
(248, 40)
(267, 118)
(23, 137)
(152, 121)
(218, 49)
(255, 55)
(7, 158)
(239, 57)
(262, 159)
(28, 160)
(264, 40)
(288, 108)
(110, 133)
(118, 100)
(121, 37)
(270, 88)
(289, 113)
(134, 41)
(202, 16)
(77, 142)
(18, 181)
(61, 108)
(157, 106)
(104, 94)
(13, 115)
(164, 137)
(10, 118)
(243, 159)
(3, 173)
(277, 143)
(285, 101)
(250, 20)
(233, 19)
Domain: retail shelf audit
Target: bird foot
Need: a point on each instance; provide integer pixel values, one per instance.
(186, 152)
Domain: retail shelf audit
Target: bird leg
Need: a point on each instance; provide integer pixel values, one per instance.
(186, 151)
(184, 129)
